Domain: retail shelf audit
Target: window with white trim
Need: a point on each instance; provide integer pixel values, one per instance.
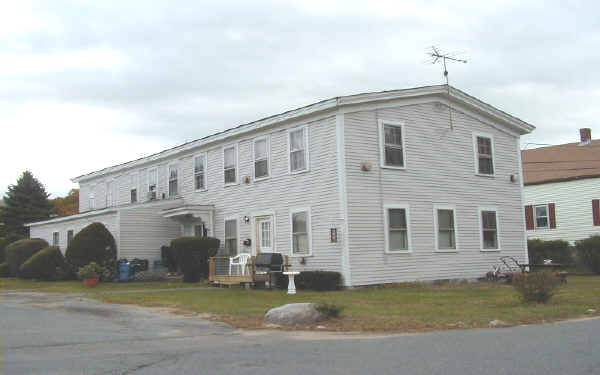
(298, 142)
(152, 183)
(397, 228)
(173, 184)
(230, 164)
(485, 155)
(392, 144)
(55, 239)
(261, 158)
(301, 232)
(200, 172)
(111, 193)
(133, 190)
(445, 225)
(70, 234)
(541, 216)
(231, 236)
(489, 229)
(92, 198)
(198, 230)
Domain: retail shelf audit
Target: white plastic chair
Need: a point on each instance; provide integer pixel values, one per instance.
(240, 260)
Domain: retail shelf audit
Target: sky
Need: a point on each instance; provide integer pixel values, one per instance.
(89, 84)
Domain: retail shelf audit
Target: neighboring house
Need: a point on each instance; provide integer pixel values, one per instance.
(562, 189)
(382, 187)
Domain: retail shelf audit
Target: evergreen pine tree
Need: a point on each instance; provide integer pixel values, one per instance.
(25, 202)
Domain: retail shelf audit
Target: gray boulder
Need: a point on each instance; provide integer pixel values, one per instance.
(294, 314)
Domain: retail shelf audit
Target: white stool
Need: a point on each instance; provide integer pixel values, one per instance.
(291, 284)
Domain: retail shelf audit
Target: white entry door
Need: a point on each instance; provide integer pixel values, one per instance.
(264, 234)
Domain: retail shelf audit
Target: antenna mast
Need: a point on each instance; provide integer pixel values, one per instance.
(437, 56)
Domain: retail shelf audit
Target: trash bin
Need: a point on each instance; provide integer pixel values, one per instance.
(124, 271)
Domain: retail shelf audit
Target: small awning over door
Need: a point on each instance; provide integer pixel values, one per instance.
(192, 214)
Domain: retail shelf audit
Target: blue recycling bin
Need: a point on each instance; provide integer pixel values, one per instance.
(124, 271)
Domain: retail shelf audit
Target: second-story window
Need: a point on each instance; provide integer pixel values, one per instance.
(298, 150)
(484, 155)
(230, 164)
(152, 182)
(133, 188)
(261, 158)
(392, 144)
(92, 198)
(110, 194)
(200, 172)
(173, 188)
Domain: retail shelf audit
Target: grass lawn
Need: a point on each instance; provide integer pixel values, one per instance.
(76, 286)
(399, 308)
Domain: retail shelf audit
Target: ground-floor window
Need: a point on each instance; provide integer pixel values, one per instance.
(55, 238)
(489, 229)
(231, 236)
(445, 227)
(301, 231)
(397, 228)
(70, 235)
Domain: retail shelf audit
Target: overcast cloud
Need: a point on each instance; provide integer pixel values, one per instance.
(85, 85)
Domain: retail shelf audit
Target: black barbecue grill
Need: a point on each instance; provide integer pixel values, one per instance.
(266, 264)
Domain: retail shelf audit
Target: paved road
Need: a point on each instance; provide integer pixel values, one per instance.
(75, 336)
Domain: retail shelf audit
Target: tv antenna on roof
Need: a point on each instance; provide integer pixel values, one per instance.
(437, 56)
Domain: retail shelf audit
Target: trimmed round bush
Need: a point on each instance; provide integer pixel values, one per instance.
(18, 252)
(558, 250)
(588, 252)
(192, 255)
(93, 243)
(2, 246)
(4, 270)
(48, 264)
(536, 286)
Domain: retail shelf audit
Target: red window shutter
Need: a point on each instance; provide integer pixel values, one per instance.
(596, 211)
(552, 214)
(529, 217)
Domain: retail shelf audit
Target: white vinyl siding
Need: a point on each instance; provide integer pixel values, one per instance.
(200, 172)
(298, 150)
(231, 236)
(261, 154)
(488, 224)
(391, 144)
(483, 149)
(301, 232)
(173, 180)
(230, 165)
(397, 228)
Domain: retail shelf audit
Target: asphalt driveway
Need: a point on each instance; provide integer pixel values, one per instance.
(66, 335)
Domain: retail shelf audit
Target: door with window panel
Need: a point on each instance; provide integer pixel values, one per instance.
(264, 234)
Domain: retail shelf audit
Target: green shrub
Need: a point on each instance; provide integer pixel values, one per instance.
(169, 260)
(4, 242)
(192, 255)
(536, 286)
(90, 271)
(18, 252)
(47, 264)
(588, 252)
(330, 310)
(318, 280)
(558, 250)
(93, 243)
(4, 270)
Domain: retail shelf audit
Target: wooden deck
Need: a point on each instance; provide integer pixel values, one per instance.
(218, 272)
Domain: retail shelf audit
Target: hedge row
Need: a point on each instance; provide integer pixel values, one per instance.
(192, 253)
(47, 264)
(18, 252)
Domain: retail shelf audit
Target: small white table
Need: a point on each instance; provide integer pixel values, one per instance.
(291, 284)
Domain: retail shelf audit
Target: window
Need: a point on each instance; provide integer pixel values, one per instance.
(134, 185)
(231, 233)
(200, 172)
(199, 230)
(55, 238)
(392, 144)
(445, 227)
(230, 165)
(301, 232)
(92, 198)
(110, 194)
(70, 234)
(541, 216)
(152, 182)
(261, 158)
(484, 154)
(298, 141)
(173, 188)
(489, 229)
(397, 237)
